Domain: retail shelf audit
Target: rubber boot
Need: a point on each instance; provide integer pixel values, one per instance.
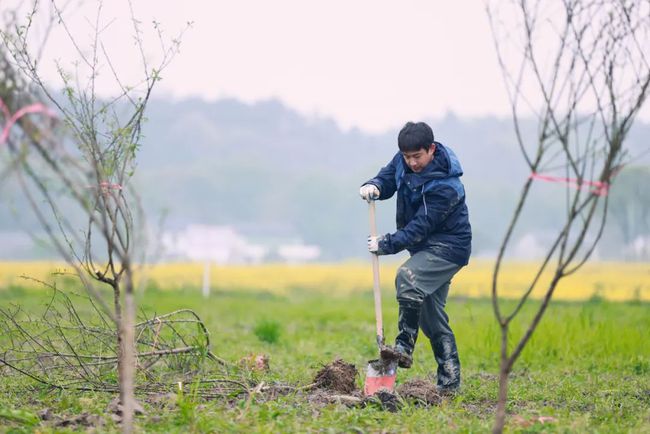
(408, 324)
(446, 354)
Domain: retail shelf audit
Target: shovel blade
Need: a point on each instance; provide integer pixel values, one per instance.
(380, 374)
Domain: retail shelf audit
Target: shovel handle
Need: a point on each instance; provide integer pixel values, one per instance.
(375, 277)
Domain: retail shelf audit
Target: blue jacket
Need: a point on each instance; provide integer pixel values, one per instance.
(431, 210)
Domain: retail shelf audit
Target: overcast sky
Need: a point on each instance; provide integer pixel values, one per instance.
(373, 64)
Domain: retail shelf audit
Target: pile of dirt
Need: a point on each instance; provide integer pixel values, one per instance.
(422, 391)
(339, 376)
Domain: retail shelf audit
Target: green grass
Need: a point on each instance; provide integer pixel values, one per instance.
(267, 330)
(588, 366)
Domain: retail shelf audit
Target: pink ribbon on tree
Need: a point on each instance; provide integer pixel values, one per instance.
(12, 119)
(600, 188)
(105, 186)
(37, 108)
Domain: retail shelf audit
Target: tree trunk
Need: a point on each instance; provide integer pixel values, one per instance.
(127, 361)
(504, 371)
(500, 420)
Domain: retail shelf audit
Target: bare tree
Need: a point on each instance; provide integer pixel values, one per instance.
(580, 68)
(73, 156)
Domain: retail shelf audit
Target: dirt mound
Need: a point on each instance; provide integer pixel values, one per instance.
(421, 390)
(339, 376)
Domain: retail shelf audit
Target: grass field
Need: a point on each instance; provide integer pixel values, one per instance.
(587, 367)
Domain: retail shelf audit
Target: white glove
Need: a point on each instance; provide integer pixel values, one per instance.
(369, 192)
(373, 244)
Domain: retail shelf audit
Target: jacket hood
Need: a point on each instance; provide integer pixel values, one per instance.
(445, 164)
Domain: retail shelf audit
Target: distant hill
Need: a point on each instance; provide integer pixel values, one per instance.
(274, 173)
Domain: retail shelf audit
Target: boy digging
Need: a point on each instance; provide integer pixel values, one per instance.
(433, 225)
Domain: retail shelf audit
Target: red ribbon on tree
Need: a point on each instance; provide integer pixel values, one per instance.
(600, 188)
(12, 119)
(105, 186)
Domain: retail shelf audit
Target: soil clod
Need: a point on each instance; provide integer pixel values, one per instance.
(339, 376)
(388, 354)
(81, 420)
(420, 390)
(255, 362)
(388, 400)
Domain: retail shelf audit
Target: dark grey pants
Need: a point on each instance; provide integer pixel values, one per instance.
(424, 280)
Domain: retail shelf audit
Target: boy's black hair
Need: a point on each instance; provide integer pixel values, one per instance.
(415, 136)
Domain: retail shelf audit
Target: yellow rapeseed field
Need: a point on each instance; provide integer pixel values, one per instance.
(609, 280)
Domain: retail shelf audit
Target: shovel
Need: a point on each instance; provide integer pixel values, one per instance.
(380, 374)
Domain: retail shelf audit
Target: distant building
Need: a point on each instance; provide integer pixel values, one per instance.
(298, 253)
(224, 245)
(219, 244)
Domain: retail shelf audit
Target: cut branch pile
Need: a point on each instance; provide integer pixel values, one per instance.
(73, 345)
